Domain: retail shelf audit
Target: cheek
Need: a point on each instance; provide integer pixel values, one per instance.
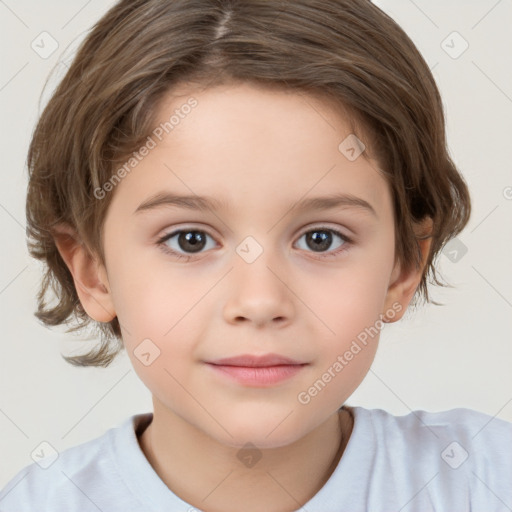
(351, 298)
(354, 327)
(149, 295)
(346, 349)
(161, 303)
(349, 303)
(158, 311)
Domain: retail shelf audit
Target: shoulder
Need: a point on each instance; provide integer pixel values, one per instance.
(460, 452)
(466, 426)
(459, 433)
(74, 479)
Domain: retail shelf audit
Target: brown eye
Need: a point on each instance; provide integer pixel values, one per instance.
(320, 240)
(185, 241)
(191, 241)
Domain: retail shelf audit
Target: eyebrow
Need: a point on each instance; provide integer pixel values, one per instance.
(206, 203)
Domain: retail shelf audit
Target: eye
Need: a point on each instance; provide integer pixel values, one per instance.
(184, 243)
(191, 241)
(321, 238)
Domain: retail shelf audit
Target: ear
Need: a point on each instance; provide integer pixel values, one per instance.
(404, 282)
(89, 275)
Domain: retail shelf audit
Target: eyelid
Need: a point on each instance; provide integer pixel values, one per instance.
(318, 225)
(348, 241)
(329, 226)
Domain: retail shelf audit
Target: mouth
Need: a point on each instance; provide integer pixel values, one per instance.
(257, 371)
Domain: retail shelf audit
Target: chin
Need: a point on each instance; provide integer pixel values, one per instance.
(263, 434)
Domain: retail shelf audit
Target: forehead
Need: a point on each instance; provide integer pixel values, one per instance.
(247, 146)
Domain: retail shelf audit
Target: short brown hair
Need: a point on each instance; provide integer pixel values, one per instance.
(349, 51)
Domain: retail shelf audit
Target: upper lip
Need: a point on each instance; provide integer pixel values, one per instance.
(254, 361)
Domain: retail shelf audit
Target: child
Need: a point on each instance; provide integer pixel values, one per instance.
(299, 149)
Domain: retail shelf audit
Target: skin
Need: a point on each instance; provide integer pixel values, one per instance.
(260, 151)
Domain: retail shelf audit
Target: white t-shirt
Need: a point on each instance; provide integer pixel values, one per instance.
(454, 461)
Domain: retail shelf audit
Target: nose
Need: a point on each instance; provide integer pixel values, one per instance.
(258, 294)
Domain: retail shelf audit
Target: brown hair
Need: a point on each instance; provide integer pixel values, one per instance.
(346, 50)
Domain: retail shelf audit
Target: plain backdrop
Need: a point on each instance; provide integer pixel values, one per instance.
(441, 357)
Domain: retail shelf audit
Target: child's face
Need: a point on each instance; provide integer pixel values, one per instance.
(259, 153)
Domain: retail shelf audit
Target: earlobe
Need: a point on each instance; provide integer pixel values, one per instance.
(404, 282)
(89, 275)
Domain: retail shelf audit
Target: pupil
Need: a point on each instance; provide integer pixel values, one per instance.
(321, 240)
(193, 239)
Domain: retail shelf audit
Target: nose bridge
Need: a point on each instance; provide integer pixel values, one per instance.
(257, 263)
(258, 292)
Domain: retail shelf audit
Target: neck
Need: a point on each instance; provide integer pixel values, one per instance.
(201, 471)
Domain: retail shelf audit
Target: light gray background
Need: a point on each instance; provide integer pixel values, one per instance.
(457, 355)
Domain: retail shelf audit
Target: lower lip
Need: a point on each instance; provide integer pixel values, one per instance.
(258, 376)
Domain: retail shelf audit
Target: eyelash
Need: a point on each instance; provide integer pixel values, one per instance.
(161, 242)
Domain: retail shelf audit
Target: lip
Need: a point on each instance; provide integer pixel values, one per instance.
(254, 361)
(257, 371)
